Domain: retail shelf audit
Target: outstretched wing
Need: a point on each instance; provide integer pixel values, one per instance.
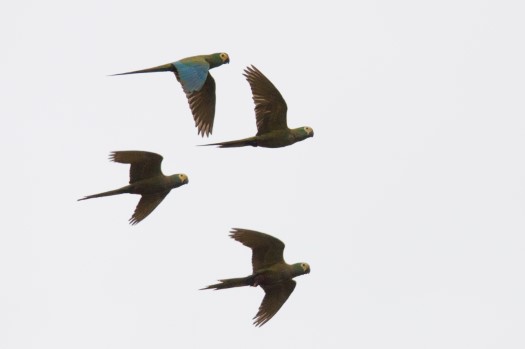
(266, 250)
(270, 107)
(191, 73)
(146, 205)
(144, 164)
(202, 105)
(276, 295)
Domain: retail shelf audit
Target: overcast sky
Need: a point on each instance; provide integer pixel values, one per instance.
(408, 203)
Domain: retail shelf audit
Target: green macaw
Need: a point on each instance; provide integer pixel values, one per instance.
(145, 179)
(198, 84)
(270, 113)
(270, 271)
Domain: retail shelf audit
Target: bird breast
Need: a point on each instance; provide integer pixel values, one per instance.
(272, 275)
(152, 185)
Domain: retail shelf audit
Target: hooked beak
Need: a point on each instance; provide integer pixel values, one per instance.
(307, 269)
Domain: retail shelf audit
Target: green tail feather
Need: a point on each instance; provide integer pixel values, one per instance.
(237, 143)
(106, 193)
(229, 283)
(160, 68)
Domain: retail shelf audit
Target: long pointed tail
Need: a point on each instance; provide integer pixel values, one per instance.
(160, 68)
(229, 283)
(237, 143)
(106, 193)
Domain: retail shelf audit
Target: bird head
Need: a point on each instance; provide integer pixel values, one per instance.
(178, 179)
(306, 268)
(301, 268)
(302, 133)
(183, 178)
(217, 59)
(309, 131)
(224, 57)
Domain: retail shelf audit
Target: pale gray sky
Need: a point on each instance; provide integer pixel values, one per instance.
(408, 203)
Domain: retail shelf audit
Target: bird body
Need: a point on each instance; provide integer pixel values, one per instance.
(270, 271)
(270, 113)
(197, 83)
(277, 273)
(146, 179)
(153, 185)
(272, 139)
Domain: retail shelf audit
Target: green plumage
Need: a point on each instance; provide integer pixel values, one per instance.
(270, 271)
(197, 83)
(146, 179)
(270, 113)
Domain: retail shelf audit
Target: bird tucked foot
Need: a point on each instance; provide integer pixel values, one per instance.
(257, 280)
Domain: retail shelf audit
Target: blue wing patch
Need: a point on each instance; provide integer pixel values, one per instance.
(192, 75)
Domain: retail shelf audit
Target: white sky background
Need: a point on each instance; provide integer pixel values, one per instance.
(408, 203)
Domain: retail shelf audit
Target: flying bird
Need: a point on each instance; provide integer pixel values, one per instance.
(145, 179)
(270, 271)
(198, 84)
(270, 114)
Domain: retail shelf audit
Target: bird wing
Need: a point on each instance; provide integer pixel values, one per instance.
(275, 296)
(266, 250)
(270, 107)
(202, 105)
(191, 73)
(146, 205)
(144, 164)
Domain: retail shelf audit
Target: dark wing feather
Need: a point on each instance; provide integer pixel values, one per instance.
(276, 295)
(266, 250)
(270, 107)
(144, 164)
(146, 205)
(202, 105)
